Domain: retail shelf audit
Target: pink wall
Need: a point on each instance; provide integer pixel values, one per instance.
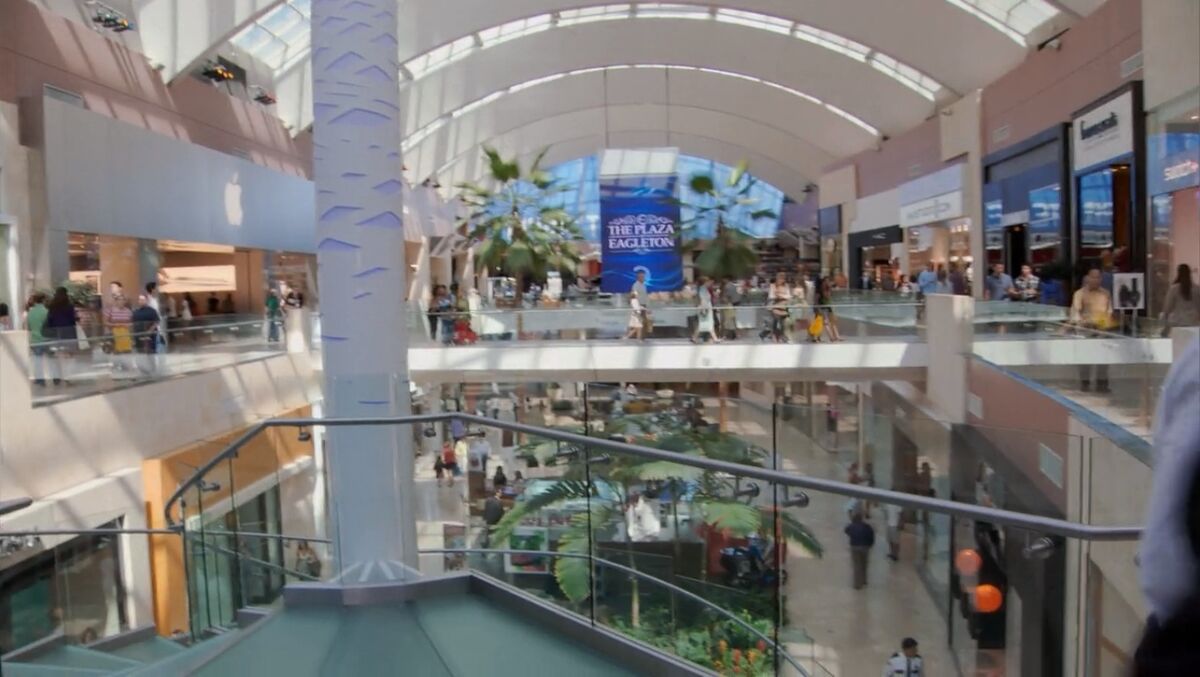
(912, 154)
(38, 46)
(1018, 420)
(1051, 85)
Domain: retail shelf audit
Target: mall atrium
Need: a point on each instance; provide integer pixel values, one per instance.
(565, 337)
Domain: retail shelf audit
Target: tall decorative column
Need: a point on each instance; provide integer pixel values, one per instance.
(360, 259)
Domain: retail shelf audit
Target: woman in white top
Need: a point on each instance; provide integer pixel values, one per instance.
(704, 322)
(779, 296)
(636, 324)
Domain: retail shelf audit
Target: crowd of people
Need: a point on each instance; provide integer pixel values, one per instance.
(133, 329)
(795, 306)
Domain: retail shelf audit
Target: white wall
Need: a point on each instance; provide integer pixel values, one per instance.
(14, 206)
(104, 176)
(48, 449)
(876, 211)
(1170, 60)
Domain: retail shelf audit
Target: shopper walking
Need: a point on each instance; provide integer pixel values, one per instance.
(906, 662)
(1028, 286)
(60, 327)
(862, 537)
(1091, 309)
(825, 308)
(146, 326)
(1182, 308)
(274, 313)
(636, 326)
(893, 514)
(705, 324)
(999, 285)
(118, 322)
(449, 462)
(35, 322)
(779, 296)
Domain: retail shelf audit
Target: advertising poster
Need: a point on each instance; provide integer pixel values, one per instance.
(528, 538)
(639, 231)
(1129, 291)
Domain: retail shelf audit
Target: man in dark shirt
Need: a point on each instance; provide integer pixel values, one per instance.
(862, 537)
(145, 329)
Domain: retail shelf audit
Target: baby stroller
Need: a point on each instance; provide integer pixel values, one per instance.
(463, 334)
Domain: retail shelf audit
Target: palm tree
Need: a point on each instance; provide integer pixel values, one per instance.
(515, 221)
(730, 253)
(714, 499)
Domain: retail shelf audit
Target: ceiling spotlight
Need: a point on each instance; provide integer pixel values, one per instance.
(305, 436)
(263, 96)
(217, 73)
(107, 17)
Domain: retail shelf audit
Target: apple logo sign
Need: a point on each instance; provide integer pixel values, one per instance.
(233, 201)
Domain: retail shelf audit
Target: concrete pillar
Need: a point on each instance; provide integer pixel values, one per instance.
(149, 261)
(361, 269)
(951, 331)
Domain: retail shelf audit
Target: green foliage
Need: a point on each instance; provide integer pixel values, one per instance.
(515, 232)
(730, 253)
(721, 645)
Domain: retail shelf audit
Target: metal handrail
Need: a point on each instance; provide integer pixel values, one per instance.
(779, 651)
(1036, 523)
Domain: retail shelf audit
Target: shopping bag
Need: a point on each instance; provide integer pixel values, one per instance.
(816, 326)
(122, 340)
(81, 337)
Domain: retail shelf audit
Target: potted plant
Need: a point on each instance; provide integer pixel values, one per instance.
(730, 252)
(514, 222)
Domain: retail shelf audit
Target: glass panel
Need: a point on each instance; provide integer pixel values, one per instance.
(110, 351)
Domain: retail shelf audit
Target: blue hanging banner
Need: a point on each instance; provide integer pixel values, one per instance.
(639, 231)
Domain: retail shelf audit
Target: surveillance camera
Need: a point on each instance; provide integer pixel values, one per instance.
(885, 137)
(1055, 44)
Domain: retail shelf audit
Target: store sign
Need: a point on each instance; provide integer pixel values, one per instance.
(993, 215)
(1173, 159)
(932, 210)
(1103, 133)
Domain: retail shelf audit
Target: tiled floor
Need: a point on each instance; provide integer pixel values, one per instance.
(852, 632)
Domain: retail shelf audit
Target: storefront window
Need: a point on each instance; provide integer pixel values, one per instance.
(1173, 178)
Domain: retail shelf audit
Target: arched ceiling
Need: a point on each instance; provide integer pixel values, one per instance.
(486, 69)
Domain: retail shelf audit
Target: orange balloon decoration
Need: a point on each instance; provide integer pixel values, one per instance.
(967, 562)
(988, 598)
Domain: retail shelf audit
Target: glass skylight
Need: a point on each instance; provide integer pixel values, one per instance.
(496, 35)
(571, 17)
(439, 57)
(424, 132)
(668, 10)
(906, 75)
(1014, 18)
(280, 36)
(754, 20)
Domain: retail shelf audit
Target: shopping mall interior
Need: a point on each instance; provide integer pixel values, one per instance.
(746, 337)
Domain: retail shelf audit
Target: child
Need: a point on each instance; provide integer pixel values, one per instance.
(439, 468)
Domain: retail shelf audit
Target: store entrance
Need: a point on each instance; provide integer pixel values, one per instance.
(1016, 249)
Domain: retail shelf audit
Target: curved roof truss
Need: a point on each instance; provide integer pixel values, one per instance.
(459, 49)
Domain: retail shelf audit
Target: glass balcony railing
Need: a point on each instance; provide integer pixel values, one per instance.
(110, 358)
(715, 529)
(742, 324)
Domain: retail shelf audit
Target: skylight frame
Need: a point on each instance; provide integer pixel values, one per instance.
(433, 126)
